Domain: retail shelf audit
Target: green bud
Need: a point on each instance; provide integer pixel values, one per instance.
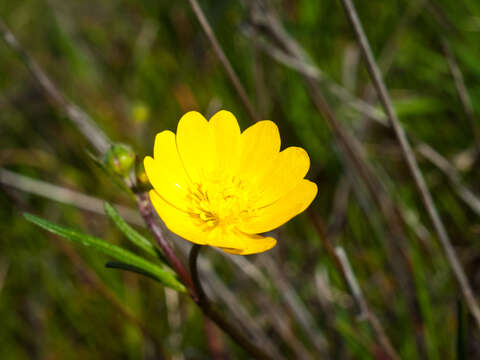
(120, 158)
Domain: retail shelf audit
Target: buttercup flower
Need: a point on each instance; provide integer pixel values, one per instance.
(213, 185)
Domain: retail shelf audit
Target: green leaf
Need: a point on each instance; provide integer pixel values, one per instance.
(164, 276)
(129, 232)
(128, 267)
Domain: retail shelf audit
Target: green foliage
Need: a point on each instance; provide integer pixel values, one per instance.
(164, 276)
(135, 237)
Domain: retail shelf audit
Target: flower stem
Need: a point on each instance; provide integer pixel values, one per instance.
(146, 210)
(206, 306)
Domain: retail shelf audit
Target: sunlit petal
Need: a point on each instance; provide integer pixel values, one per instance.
(196, 146)
(260, 144)
(251, 244)
(166, 172)
(289, 168)
(177, 221)
(278, 213)
(226, 132)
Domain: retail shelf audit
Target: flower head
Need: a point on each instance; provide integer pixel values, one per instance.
(213, 185)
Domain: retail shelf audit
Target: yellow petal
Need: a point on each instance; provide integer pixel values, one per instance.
(177, 221)
(226, 132)
(252, 244)
(196, 146)
(278, 213)
(166, 172)
(237, 242)
(289, 168)
(260, 144)
(220, 237)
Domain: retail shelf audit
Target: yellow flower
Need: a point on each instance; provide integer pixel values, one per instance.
(214, 185)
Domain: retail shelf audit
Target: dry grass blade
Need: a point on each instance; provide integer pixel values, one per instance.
(207, 307)
(82, 120)
(303, 66)
(64, 195)
(360, 299)
(411, 161)
(224, 60)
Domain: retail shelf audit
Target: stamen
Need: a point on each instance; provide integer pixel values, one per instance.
(221, 202)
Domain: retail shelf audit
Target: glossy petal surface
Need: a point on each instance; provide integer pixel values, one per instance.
(196, 146)
(278, 213)
(177, 221)
(166, 172)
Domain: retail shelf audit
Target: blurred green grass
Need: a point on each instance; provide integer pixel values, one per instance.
(136, 67)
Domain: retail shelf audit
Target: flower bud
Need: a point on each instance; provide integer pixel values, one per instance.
(120, 158)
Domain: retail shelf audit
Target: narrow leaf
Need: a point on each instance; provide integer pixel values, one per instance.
(128, 267)
(166, 277)
(129, 232)
(160, 255)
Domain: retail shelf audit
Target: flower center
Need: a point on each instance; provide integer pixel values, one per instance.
(221, 201)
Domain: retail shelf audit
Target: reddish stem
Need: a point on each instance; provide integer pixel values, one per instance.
(146, 210)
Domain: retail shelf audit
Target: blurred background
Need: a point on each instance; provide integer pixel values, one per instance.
(135, 66)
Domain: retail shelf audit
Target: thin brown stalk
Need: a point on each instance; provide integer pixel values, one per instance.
(282, 324)
(207, 308)
(395, 245)
(288, 294)
(224, 60)
(342, 264)
(296, 306)
(219, 291)
(64, 195)
(411, 161)
(82, 120)
(357, 294)
(274, 314)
